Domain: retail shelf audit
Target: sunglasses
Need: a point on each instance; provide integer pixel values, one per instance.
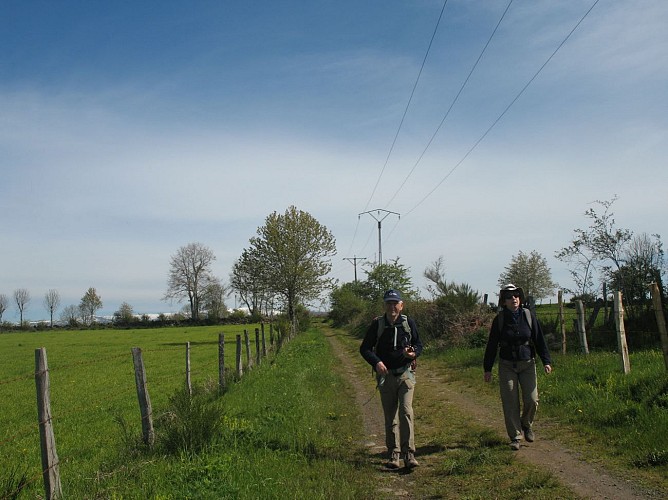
(512, 295)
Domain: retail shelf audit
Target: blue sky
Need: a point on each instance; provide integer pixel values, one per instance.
(130, 129)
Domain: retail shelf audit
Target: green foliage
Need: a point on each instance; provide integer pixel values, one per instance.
(12, 483)
(346, 303)
(382, 277)
(531, 273)
(292, 251)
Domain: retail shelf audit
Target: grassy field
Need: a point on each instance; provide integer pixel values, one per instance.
(93, 394)
(283, 430)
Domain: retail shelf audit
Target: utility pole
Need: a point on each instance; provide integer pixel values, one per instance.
(377, 216)
(354, 260)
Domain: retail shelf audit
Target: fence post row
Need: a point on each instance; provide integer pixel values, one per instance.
(50, 471)
(144, 399)
(247, 342)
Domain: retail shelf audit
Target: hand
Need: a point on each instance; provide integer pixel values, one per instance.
(410, 353)
(548, 369)
(488, 376)
(381, 369)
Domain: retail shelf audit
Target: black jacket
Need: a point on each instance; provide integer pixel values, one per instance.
(390, 354)
(516, 340)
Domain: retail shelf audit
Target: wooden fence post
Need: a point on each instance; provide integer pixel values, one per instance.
(271, 334)
(257, 346)
(50, 471)
(621, 333)
(660, 320)
(562, 321)
(240, 370)
(144, 399)
(247, 342)
(189, 386)
(582, 328)
(221, 363)
(264, 342)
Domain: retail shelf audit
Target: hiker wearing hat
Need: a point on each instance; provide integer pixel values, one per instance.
(517, 336)
(391, 346)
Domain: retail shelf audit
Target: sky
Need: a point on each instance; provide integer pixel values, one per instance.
(475, 129)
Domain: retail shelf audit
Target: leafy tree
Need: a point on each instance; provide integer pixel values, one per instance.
(347, 302)
(125, 314)
(382, 277)
(4, 302)
(89, 305)
(246, 280)
(21, 298)
(530, 272)
(51, 303)
(189, 276)
(294, 249)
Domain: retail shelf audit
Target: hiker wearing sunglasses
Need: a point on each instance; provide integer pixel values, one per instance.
(516, 335)
(391, 346)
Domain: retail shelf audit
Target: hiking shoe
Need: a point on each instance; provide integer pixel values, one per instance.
(528, 434)
(515, 445)
(409, 460)
(394, 462)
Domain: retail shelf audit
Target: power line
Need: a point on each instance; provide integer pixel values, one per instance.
(394, 141)
(353, 261)
(498, 119)
(447, 113)
(379, 219)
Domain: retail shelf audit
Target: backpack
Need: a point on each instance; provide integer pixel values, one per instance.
(499, 319)
(405, 326)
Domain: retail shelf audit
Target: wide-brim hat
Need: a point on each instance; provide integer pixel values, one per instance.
(510, 288)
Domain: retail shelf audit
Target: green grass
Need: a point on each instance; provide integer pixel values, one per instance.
(283, 430)
(621, 418)
(93, 389)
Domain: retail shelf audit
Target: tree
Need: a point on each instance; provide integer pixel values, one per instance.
(391, 274)
(214, 300)
(530, 272)
(51, 303)
(456, 298)
(70, 315)
(601, 245)
(246, 280)
(21, 297)
(294, 249)
(4, 303)
(90, 303)
(125, 314)
(189, 276)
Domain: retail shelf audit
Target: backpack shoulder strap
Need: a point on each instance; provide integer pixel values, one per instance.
(499, 319)
(527, 315)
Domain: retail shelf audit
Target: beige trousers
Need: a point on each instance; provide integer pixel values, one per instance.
(516, 377)
(396, 396)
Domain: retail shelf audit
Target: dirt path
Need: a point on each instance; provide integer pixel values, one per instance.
(585, 479)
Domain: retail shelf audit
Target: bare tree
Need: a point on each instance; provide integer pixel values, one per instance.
(52, 303)
(21, 297)
(70, 315)
(190, 275)
(4, 303)
(90, 303)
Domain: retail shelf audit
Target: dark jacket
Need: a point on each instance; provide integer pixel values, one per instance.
(516, 340)
(390, 354)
